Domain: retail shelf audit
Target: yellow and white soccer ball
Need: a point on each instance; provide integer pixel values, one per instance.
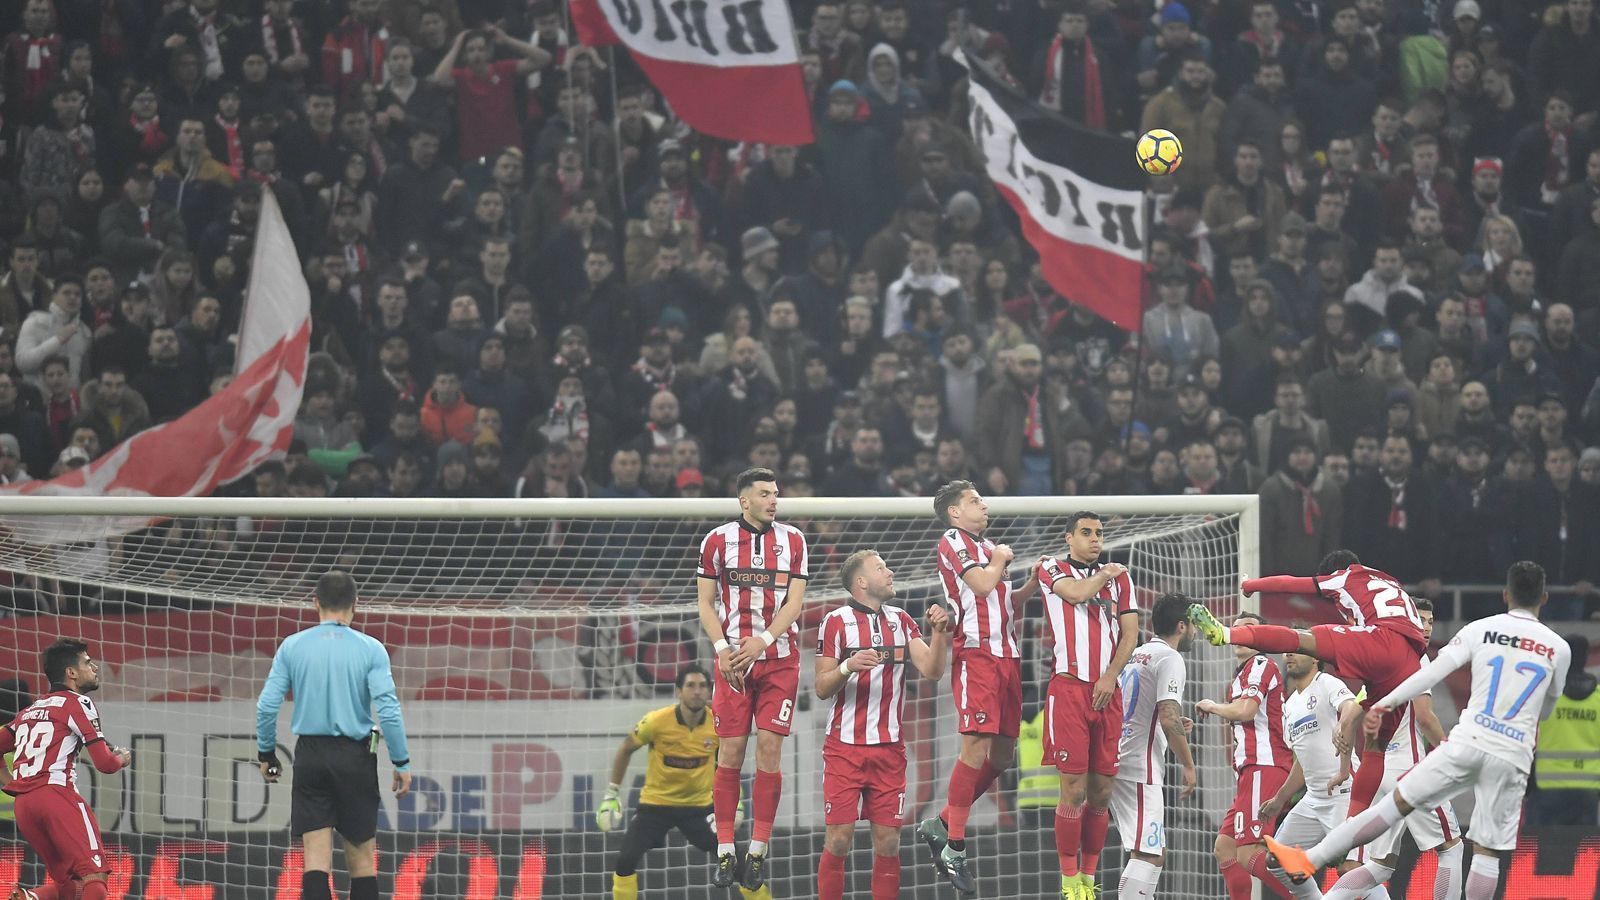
(1159, 151)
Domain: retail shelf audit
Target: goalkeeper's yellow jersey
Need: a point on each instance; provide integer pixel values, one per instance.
(682, 759)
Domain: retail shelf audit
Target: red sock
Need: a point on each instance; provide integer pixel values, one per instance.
(1366, 783)
(765, 792)
(830, 876)
(1270, 638)
(725, 802)
(885, 877)
(987, 776)
(1237, 880)
(963, 784)
(1258, 868)
(93, 890)
(1069, 837)
(1095, 822)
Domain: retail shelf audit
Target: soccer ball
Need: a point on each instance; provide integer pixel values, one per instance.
(1159, 151)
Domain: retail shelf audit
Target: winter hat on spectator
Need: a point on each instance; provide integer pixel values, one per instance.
(1492, 163)
(1287, 339)
(690, 476)
(963, 202)
(1399, 396)
(414, 250)
(757, 241)
(1386, 340)
(669, 147)
(1467, 9)
(9, 445)
(1471, 261)
(844, 85)
(1469, 443)
(821, 240)
(1589, 455)
(1174, 12)
(573, 331)
(1523, 329)
(1233, 422)
(1348, 343)
(1299, 440)
(449, 452)
(1293, 223)
(72, 453)
(673, 317)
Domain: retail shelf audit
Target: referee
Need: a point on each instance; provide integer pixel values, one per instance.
(337, 675)
(677, 783)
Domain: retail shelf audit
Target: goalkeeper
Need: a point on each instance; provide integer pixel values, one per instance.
(677, 782)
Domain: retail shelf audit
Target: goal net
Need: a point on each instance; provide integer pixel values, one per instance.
(527, 637)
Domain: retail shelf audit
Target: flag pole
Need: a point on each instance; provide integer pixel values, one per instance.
(1147, 216)
(616, 145)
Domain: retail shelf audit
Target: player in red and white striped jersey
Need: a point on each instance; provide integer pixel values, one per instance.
(43, 776)
(752, 584)
(1262, 760)
(1093, 619)
(986, 676)
(863, 649)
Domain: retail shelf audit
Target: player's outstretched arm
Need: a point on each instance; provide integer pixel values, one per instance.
(1280, 584)
(609, 813)
(930, 659)
(1172, 725)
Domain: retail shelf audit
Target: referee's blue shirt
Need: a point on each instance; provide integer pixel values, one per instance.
(338, 675)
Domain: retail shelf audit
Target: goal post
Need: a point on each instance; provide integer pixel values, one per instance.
(527, 636)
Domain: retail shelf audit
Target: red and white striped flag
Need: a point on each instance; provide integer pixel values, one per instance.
(732, 72)
(236, 429)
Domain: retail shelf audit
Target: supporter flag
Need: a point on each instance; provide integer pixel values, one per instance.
(1078, 193)
(234, 430)
(731, 71)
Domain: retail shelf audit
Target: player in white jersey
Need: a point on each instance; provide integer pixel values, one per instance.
(1518, 668)
(751, 580)
(863, 650)
(1318, 703)
(1435, 829)
(1152, 720)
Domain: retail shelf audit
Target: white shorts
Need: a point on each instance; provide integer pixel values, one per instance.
(1313, 817)
(1139, 813)
(1430, 828)
(1497, 788)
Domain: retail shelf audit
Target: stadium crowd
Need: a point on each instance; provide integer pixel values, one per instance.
(1373, 291)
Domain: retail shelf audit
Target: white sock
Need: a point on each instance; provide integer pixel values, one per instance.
(1484, 877)
(1447, 883)
(1377, 819)
(1227, 634)
(1138, 880)
(758, 848)
(1361, 883)
(726, 850)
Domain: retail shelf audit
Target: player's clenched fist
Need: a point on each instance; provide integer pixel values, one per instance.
(1005, 552)
(938, 618)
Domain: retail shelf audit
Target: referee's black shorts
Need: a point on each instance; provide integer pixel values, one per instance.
(649, 826)
(335, 786)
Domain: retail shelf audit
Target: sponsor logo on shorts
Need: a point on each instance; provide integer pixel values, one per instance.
(981, 716)
(1061, 756)
(1255, 829)
(827, 808)
(96, 859)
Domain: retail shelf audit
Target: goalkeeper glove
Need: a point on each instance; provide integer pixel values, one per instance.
(738, 816)
(608, 817)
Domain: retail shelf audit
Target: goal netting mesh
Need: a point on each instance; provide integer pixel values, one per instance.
(527, 637)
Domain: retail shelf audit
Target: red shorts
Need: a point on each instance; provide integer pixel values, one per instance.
(988, 692)
(863, 781)
(1378, 658)
(1257, 785)
(61, 828)
(1078, 737)
(767, 701)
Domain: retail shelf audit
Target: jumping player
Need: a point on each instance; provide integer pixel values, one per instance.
(1094, 625)
(1379, 646)
(863, 648)
(677, 782)
(1152, 719)
(1518, 669)
(1255, 707)
(752, 583)
(43, 776)
(986, 676)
